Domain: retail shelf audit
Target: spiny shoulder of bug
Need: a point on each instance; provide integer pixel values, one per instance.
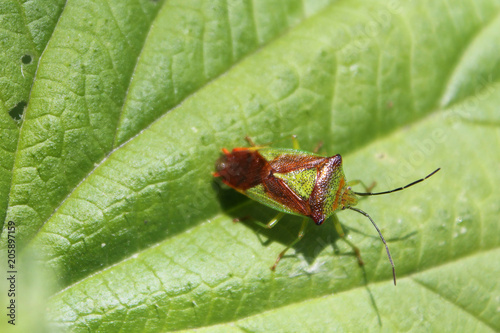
(335, 189)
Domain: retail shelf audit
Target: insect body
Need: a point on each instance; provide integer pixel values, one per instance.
(296, 182)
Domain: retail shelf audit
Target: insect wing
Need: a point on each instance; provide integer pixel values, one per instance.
(290, 182)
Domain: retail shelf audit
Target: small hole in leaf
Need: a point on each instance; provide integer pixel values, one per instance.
(26, 59)
(17, 111)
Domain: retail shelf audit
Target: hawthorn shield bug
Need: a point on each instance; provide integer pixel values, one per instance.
(297, 182)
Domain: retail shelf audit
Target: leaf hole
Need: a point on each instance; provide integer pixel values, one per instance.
(17, 111)
(26, 59)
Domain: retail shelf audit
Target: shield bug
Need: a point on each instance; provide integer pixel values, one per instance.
(297, 182)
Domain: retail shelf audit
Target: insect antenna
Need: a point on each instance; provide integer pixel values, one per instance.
(381, 237)
(399, 188)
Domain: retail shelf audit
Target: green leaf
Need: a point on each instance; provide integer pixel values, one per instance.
(107, 175)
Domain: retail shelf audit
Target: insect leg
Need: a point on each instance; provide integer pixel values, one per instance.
(341, 233)
(299, 237)
(295, 142)
(253, 145)
(357, 181)
(318, 147)
(250, 141)
(296, 145)
(271, 223)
